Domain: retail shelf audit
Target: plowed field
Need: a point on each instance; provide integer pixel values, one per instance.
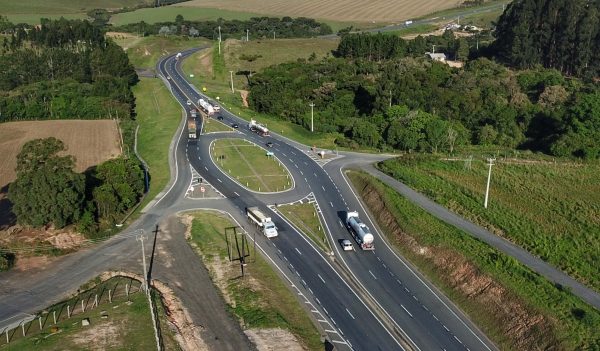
(91, 142)
(335, 10)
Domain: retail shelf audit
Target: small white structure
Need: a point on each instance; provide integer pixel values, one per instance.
(434, 56)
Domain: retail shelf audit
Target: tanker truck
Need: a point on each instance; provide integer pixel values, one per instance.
(206, 107)
(258, 128)
(263, 222)
(360, 231)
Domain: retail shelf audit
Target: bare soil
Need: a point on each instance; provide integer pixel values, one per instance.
(525, 328)
(97, 336)
(273, 339)
(244, 94)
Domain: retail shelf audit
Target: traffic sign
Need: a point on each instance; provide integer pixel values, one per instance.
(202, 189)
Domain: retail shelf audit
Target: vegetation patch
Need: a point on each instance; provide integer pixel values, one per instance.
(211, 125)
(259, 299)
(305, 218)
(250, 165)
(549, 208)
(514, 306)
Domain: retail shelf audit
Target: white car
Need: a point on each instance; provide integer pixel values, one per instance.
(347, 245)
(189, 103)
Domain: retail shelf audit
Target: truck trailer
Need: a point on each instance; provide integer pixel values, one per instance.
(360, 231)
(191, 125)
(263, 222)
(206, 107)
(258, 128)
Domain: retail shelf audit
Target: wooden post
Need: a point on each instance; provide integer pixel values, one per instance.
(68, 311)
(40, 321)
(110, 295)
(54, 315)
(82, 307)
(23, 328)
(96, 301)
(7, 339)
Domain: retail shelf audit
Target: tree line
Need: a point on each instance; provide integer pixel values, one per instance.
(260, 27)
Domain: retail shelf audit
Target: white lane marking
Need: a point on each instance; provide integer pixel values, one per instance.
(301, 173)
(305, 180)
(411, 316)
(331, 203)
(350, 314)
(284, 155)
(309, 289)
(220, 181)
(295, 165)
(331, 331)
(322, 321)
(315, 175)
(323, 280)
(341, 224)
(317, 299)
(457, 339)
(324, 310)
(299, 253)
(372, 274)
(323, 188)
(445, 327)
(206, 168)
(339, 342)
(236, 194)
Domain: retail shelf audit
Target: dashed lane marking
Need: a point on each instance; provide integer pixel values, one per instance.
(323, 280)
(404, 308)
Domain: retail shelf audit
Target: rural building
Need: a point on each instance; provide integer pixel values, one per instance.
(441, 57)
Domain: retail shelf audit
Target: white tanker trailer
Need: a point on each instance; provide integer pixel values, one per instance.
(206, 107)
(360, 231)
(258, 128)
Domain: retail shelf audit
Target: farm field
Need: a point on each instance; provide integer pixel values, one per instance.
(91, 142)
(550, 209)
(378, 11)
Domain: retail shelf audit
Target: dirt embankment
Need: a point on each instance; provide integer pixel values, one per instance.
(526, 330)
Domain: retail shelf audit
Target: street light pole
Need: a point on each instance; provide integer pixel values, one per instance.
(231, 75)
(487, 188)
(219, 40)
(141, 238)
(312, 116)
(247, 31)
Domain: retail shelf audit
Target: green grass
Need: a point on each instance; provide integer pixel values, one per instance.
(305, 218)
(34, 18)
(260, 299)
(127, 327)
(572, 324)
(211, 126)
(158, 115)
(212, 71)
(168, 13)
(248, 164)
(414, 29)
(147, 50)
(549, 209)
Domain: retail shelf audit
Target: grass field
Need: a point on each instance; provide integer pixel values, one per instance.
(248, 164)
(168, 13)
(158, 115)
(260, 300)
(211, 126)
(91, 142)
(212, 71)
(304, 217)
(517, 308)
(552, 210)
(128, 325)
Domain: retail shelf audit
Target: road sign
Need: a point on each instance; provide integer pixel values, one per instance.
(202, 189)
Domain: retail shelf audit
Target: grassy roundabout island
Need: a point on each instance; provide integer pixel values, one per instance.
(250, 165)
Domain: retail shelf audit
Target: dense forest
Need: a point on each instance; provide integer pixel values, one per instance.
(66, 69)
(258, 27)
(378, 100)
(559, 34)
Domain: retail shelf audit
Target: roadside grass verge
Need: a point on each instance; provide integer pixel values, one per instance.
(212, 71)
(414, 29)
(305, 218)
(146, 52)
(158, 116)
(517, 308)
(127, 325)
(550, 209)
(260, 299)
(212, 126)
(248, 164)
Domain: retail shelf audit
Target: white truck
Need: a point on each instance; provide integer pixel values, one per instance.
(258, 128)
(360, 231)
(178, 56)
(265, 223)
(206, 107)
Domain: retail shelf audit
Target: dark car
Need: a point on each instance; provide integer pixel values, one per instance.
(220, 118)
(235, 125)
(269, 144)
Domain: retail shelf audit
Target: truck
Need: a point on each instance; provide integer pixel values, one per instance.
(215, 106)
(206, 107)
(194, 113)
(263, 222)
(360, 231)
(191, 125)
(178, 56)
(258, 128)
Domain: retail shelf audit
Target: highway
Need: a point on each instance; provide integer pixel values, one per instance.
(402, 298)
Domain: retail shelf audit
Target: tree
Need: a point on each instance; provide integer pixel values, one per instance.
(435, 133)
(47, 190)
(122, 184)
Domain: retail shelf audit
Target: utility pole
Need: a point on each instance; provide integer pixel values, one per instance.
(141, 238)
(312, 116)
(390, 98)
(247, 32)
(487, 188)
(273, 34)
(231, 75)
(433, 52)
(219, 40)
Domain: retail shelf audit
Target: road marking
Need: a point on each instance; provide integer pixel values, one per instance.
(314, 311)
(331, 331)
(435, 317)
(200, 158)
(285, 258)
(309, 289)
(372, 274)
(315, 175)
(206, 168)
(219, 179)
(331, 203)
(445, 327)
(303, 282)
(322, 321)
(284, 155)
(457, 339)
(295, 165)
(384, 266)
(378, 259)
(301, 173)
(399, 282)
(350, 314)
(414, 297)
(339, 342)
(406, 289)
(323, 188)
(323, 280)
(299, 253)
(341, 224)
(324, 310)
(411, 316)
(317, 299)
(236, 193)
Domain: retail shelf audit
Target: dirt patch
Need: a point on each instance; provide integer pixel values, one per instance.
(32, 263)
(101, 336)
(205, 62)
(244, 95)
(525, 328)
(273, 339)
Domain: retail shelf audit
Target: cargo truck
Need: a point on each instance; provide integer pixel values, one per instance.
(206, 107)
(360, 231)
(191, 125)
(263, 222)
(258, 128)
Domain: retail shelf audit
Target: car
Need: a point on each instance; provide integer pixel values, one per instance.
(347, 245)
(189, 102)
(220, 118)
(169, 77)
(235, 125)
(269, 144)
